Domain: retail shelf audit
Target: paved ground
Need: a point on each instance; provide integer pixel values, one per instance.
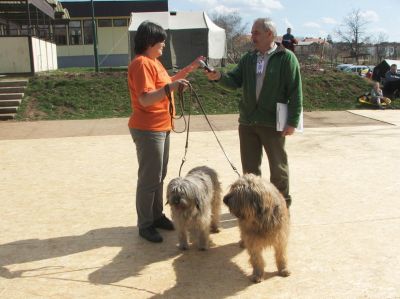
(68, 213)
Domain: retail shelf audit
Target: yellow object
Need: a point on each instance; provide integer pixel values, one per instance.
(365, 99)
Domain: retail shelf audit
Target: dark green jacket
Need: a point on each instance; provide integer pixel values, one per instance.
(282, 83)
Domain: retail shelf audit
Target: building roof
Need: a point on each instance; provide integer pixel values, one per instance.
(113, 8)
(31, 11)
(175, 20)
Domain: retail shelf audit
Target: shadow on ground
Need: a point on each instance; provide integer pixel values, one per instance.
(209, 272)
(194, 270)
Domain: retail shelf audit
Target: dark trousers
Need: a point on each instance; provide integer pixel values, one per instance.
(152, 150)
(390, 87)
(253, 139)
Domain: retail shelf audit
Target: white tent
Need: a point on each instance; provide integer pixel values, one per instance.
(190, 34)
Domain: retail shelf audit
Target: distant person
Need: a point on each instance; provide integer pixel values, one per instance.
(392, 82)
(377, 97)
(150, 124)
(288, 40)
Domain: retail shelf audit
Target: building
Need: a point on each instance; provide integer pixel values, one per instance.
(75, 39)
(27, 35)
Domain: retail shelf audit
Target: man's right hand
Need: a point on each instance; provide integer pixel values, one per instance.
(213, 76)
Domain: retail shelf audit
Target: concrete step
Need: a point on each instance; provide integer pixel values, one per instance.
(7, 116)
(7, 110)
(11, 96)
(13, 89)
(10, 103)
(13, 83)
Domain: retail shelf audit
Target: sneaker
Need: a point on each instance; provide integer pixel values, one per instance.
(150, 234)
(164, 223)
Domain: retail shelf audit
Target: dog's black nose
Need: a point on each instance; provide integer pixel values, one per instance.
(226, 199)
(176, 200)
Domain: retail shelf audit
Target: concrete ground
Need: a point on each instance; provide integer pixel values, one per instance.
(68, 221)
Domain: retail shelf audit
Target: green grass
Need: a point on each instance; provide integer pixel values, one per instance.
(79, 93)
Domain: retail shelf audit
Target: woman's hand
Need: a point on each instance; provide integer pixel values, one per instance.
(180, 82)
(188, 69)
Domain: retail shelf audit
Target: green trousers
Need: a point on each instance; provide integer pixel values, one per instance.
(253, 138)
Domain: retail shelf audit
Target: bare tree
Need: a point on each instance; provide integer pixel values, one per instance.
(353, 33)
(237, 40)
(381, 50)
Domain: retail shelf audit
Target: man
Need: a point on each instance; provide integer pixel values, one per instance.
(268, 75)
(288, 40)
(392, 82)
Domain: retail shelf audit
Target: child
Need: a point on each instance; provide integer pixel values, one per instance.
(377, 96)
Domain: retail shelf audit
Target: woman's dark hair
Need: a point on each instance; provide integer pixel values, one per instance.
(147, 35)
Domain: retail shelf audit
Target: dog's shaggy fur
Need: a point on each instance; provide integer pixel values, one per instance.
(263, 221)
(195, 202)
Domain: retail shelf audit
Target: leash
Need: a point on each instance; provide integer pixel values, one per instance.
(187, 124)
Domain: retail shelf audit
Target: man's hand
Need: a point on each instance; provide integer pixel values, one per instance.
(288, 131)
(213, 76)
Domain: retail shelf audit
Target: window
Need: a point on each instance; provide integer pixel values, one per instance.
(75, 33)
(43, 31)
(88, 32)
(13, 29)
(105, 22)
(24, 30)
(120, 22)
(60, 34)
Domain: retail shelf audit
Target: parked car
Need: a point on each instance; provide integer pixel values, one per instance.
(342, 66)
(357, 69)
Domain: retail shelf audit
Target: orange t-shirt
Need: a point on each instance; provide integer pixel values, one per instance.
(145, 75)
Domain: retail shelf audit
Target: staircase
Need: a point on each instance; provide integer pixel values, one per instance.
(11, 95)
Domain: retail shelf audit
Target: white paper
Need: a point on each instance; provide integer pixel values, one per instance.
(282, 115)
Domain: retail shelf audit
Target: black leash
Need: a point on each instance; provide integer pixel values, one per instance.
(187, 124)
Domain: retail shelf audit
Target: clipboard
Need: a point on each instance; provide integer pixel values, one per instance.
(282, 115)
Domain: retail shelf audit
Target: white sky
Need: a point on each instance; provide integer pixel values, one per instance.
(307, 18)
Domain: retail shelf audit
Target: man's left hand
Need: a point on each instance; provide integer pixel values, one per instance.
(288, 131)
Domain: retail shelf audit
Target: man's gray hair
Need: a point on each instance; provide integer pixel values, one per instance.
(268, 24)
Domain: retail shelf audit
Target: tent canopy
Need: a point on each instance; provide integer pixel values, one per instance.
(190, 34)
(381, 68)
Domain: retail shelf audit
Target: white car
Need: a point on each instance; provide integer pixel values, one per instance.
(356, 69)
(342, 66)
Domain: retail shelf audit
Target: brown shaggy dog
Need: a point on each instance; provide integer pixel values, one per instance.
(263, 221)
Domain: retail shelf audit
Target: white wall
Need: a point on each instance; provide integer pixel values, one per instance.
(14, 55)
(111, 40)
(44, 55)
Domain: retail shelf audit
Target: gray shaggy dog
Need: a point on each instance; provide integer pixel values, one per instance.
(195, 202)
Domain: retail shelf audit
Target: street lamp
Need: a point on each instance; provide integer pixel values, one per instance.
(96, 58)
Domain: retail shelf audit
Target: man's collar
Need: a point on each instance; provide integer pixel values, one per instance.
(269, 52)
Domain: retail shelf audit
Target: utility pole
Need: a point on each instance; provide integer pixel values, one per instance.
(96, 58)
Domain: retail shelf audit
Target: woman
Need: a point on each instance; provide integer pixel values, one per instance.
(150, 124)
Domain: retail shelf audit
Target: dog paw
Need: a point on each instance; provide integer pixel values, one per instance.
(256, 278)
(183, 246)
(284, 272)
(214, 230)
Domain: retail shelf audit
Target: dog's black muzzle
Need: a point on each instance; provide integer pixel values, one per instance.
(175, 200)
(226, 199)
